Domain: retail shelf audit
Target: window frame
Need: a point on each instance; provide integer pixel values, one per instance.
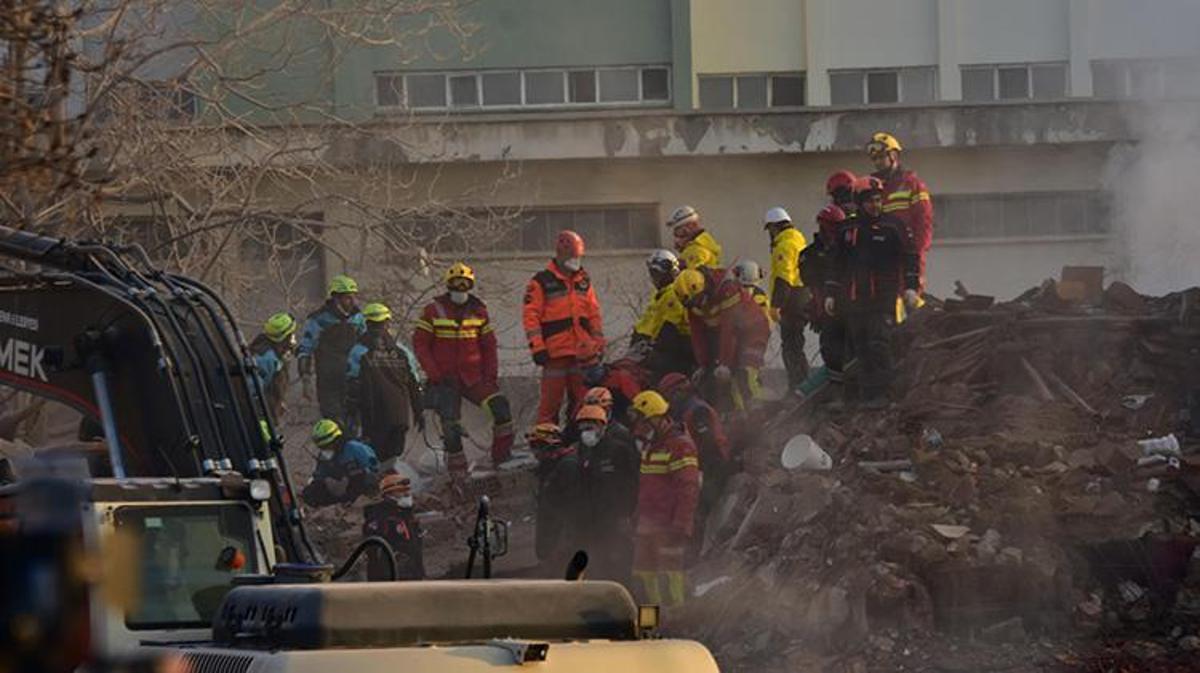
(995, 68)
(1096, 216)
(864, 89)
(770, 75)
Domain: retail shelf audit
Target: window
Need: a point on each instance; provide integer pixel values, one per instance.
(502, 88)
(751, 91)
(966, 216)
(1038, 81)
(1146, 79)
(618, 85)
(545, 88)
(581, 86)
(426, 90)
(389, 90)
(874, 87)
(603, 228)
(464, 91)
(655, 84)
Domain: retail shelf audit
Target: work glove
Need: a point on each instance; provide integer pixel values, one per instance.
(540, 358)
(911, 298)
(722, 373)
(829, 303)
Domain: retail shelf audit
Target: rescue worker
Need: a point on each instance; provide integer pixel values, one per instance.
(668, 491)
(703, 424)
(697, 247)
(618, 379)
(876, 261)
(905, 196)
(816, 268)
(561, 514)
(328, 335)
(456, 345)
(346, 468)
(749, 274)
(383, 391)
(662, 329)
(563, 326)
(729, 333)
(603, 398)
(610, 462)
(271, 350)
(789, 295)
(394, 519)
(840, 189)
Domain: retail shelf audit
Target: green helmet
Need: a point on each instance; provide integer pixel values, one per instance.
(342, 284)
(279, 327)
(377, 312)
(325, 432)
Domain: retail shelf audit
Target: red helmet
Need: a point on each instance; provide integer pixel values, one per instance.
(866, 185)
(839, 180)
(831, 215)
(671, 383)
(570, 244)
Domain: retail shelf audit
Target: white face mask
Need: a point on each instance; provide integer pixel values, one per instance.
(590, 438)
(404, 501)
(573, 264)
(325, 454)
(459, 297)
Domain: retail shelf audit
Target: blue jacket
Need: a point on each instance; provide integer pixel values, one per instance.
(355, 456)
(316, 323)
(269, 364)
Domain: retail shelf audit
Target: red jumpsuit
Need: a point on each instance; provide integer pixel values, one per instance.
(668, 493)
(562, 323)
(906, 198)
(456, 347)
(730, 329)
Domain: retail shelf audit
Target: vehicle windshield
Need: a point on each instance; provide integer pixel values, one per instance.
(189, 556)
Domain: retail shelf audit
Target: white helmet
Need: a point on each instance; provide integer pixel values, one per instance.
(663, 261)
(776, 215)
(747, 272)
(682, 215)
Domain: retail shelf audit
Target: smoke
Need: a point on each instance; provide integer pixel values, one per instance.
(1153, 184)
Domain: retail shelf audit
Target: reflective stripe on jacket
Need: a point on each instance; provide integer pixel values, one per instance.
(669, 486)
(906, 198)
(728, 327)
(456, 343)
(561, 314)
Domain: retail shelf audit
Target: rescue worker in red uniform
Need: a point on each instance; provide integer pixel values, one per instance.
(840, 189)
(668, 492)
(905, 196)
(619, 379)
(563, 326)
(729, 333)
(456, 346)
(876, 262)
(816, 267)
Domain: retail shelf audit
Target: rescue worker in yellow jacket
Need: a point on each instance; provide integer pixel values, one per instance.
(696, 246)
(789, 297)
(661, 336)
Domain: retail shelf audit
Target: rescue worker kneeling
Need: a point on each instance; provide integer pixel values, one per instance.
(560, 507)
(668, 490)
(382, 389)
(610, 463)
(876, 262)
(394, 519)
(346, 468)
(729, 333)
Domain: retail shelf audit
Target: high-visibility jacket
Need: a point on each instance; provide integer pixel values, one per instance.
(906, 198)
(664, 309)
(455, 343)
(703, 250)
(785, 268)
(561, 314)
(759, 296)
(669, 486)
(728, 327)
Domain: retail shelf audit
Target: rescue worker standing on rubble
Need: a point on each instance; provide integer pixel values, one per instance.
(271, 350)
(561, 513)
(697, 248)
(328, 335)
(876, 262)
(817, 269)
(661, 333)
(789, 295)
(346, 468)
(393, 518)
(383, 392)
(563, 326)
(668, 491)
(729, 334)
(905, 196)
(456, 345)
(611, 464)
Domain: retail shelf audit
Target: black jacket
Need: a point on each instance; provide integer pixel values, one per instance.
(875, 261)
(399, 526)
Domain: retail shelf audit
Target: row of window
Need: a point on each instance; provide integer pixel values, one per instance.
(751, 91)
(524, 88)
(1019, 215)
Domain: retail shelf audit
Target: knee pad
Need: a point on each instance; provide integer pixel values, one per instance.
(497, 407)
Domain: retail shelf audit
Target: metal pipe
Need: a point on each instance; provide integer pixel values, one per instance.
(109, 421)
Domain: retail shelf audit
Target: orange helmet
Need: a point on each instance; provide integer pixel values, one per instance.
(839, 180)
(544, 434)
(865, 185)
(570, 244)
(599, 397)
(395, 483)
(592, 412)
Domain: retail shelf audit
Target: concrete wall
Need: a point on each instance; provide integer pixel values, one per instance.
(755, 36)
(873, 34)
(1012, 31)
(1139, 29)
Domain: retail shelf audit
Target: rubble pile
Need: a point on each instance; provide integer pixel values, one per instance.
(1002, 501)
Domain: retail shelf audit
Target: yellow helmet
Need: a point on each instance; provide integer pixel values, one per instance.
(377, 312)
(883, 142)
(689, 284)
(650, 404)
(342, 284)
(325, 432)
(460, 270)
(279, 327)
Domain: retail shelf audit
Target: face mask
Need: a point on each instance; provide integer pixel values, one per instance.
(403, 501)
(325, 454)
(590, 438)
(574, 264)
(459, 297)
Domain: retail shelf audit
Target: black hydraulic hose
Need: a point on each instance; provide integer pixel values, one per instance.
(299, 514)
(373, 541)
